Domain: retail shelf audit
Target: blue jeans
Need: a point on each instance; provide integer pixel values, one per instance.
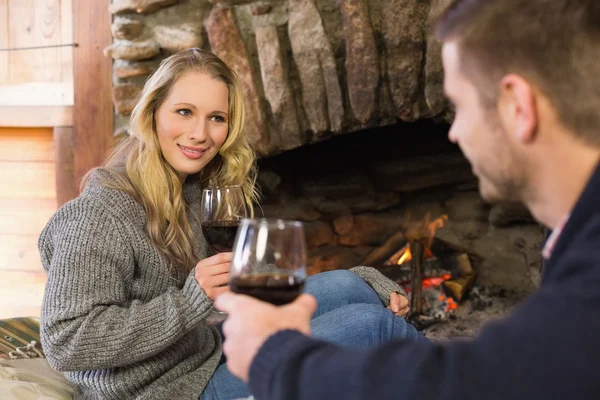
(349, 313)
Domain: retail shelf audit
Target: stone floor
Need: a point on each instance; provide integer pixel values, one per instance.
(484, 305)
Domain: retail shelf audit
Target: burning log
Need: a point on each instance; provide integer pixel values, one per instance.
(459, 287)
(432, 268)
(417, 249)
(382, 253)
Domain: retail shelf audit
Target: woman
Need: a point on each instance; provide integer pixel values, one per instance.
(130, 278)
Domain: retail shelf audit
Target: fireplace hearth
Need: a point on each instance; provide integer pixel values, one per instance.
(368, 197)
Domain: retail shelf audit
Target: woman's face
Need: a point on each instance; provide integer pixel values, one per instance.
(192, 123)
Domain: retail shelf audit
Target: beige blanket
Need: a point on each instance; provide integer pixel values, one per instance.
(32, 379)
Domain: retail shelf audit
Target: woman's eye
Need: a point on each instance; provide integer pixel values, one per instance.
(218, 118)
(185, 112)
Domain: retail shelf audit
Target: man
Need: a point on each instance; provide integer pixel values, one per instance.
(524, 76)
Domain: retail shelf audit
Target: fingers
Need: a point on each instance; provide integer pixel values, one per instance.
(227, 302)
(221, 258)
(398, 304)
(213, 270)
(394, 302)
(304, 305)
(403, 312)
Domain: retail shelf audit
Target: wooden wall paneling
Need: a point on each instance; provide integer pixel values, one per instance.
(26, 144)
(67, 187)
(66, 37)
(34, 23)
(35, 116)
(4, 43)
(93, 110)
(27, 197)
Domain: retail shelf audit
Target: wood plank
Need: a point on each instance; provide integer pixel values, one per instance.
(47, 63)
(4, 41)
(27, 180)
(92, 120)
(21, 34)
(34, 23)
(36, 116)
(67, 187)
(37, 94)
(21, 293)
(19, 253)
(25, 216)
(66, 37)
(32, 144)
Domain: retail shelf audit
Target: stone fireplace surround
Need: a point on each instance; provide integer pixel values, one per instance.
(347, 113)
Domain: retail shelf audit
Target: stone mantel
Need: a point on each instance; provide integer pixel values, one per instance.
(310, 69)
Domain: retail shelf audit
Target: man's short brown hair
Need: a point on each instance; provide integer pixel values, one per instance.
(554, 44)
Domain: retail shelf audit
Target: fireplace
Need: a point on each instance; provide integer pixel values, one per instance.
(375, 196)
(347, 113)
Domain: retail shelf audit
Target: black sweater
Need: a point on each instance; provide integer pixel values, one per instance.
(549, 348)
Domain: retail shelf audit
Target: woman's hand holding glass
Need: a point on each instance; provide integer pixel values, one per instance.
(212, 274)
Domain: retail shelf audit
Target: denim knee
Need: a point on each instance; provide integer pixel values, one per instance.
(360, 325)
(337, 288)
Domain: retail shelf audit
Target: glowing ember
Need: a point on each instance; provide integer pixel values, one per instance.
(433, 282)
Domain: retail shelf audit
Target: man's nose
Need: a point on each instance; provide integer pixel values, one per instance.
(452, 136)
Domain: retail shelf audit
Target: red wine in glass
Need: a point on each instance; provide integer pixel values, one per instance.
(220, 234)
(222, 209)
(269, 260)
(275, 288)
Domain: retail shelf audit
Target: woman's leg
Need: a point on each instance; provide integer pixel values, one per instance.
(334, 289)
(360, 325)
(224, 386)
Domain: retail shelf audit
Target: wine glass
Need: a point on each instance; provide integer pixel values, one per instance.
(221, 211)
(269, 260)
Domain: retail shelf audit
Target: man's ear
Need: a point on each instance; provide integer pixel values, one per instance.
(517, 107)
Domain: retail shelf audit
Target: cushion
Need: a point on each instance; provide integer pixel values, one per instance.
(19, 332)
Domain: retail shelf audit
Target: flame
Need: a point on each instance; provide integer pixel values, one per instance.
(423, 231)
(405, 257)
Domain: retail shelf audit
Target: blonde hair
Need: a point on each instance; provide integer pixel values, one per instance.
(137, 167)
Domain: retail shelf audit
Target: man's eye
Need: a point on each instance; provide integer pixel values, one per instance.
(185, 112)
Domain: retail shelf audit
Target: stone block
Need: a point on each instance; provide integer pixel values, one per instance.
(128, 69)
(362, 59)
(403, 28)
(332, 258)
(139, 6)
(126, 29)
(175, 38)
(319, 234)
(315, 61)
(226, 41)
(125, 97)
(277, 88)
(371, 229)
(132, 51)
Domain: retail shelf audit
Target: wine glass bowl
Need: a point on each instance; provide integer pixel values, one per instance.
(222, 209)
(269, 260)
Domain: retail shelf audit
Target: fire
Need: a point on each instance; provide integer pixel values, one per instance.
(423, 231)
(435, 281)
(450, 303)
(406, 256)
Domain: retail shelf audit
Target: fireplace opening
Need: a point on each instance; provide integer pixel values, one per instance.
(403, 199)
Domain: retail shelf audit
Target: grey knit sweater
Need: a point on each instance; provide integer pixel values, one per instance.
(114, 318)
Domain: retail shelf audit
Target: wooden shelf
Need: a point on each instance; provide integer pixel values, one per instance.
(36, 116)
